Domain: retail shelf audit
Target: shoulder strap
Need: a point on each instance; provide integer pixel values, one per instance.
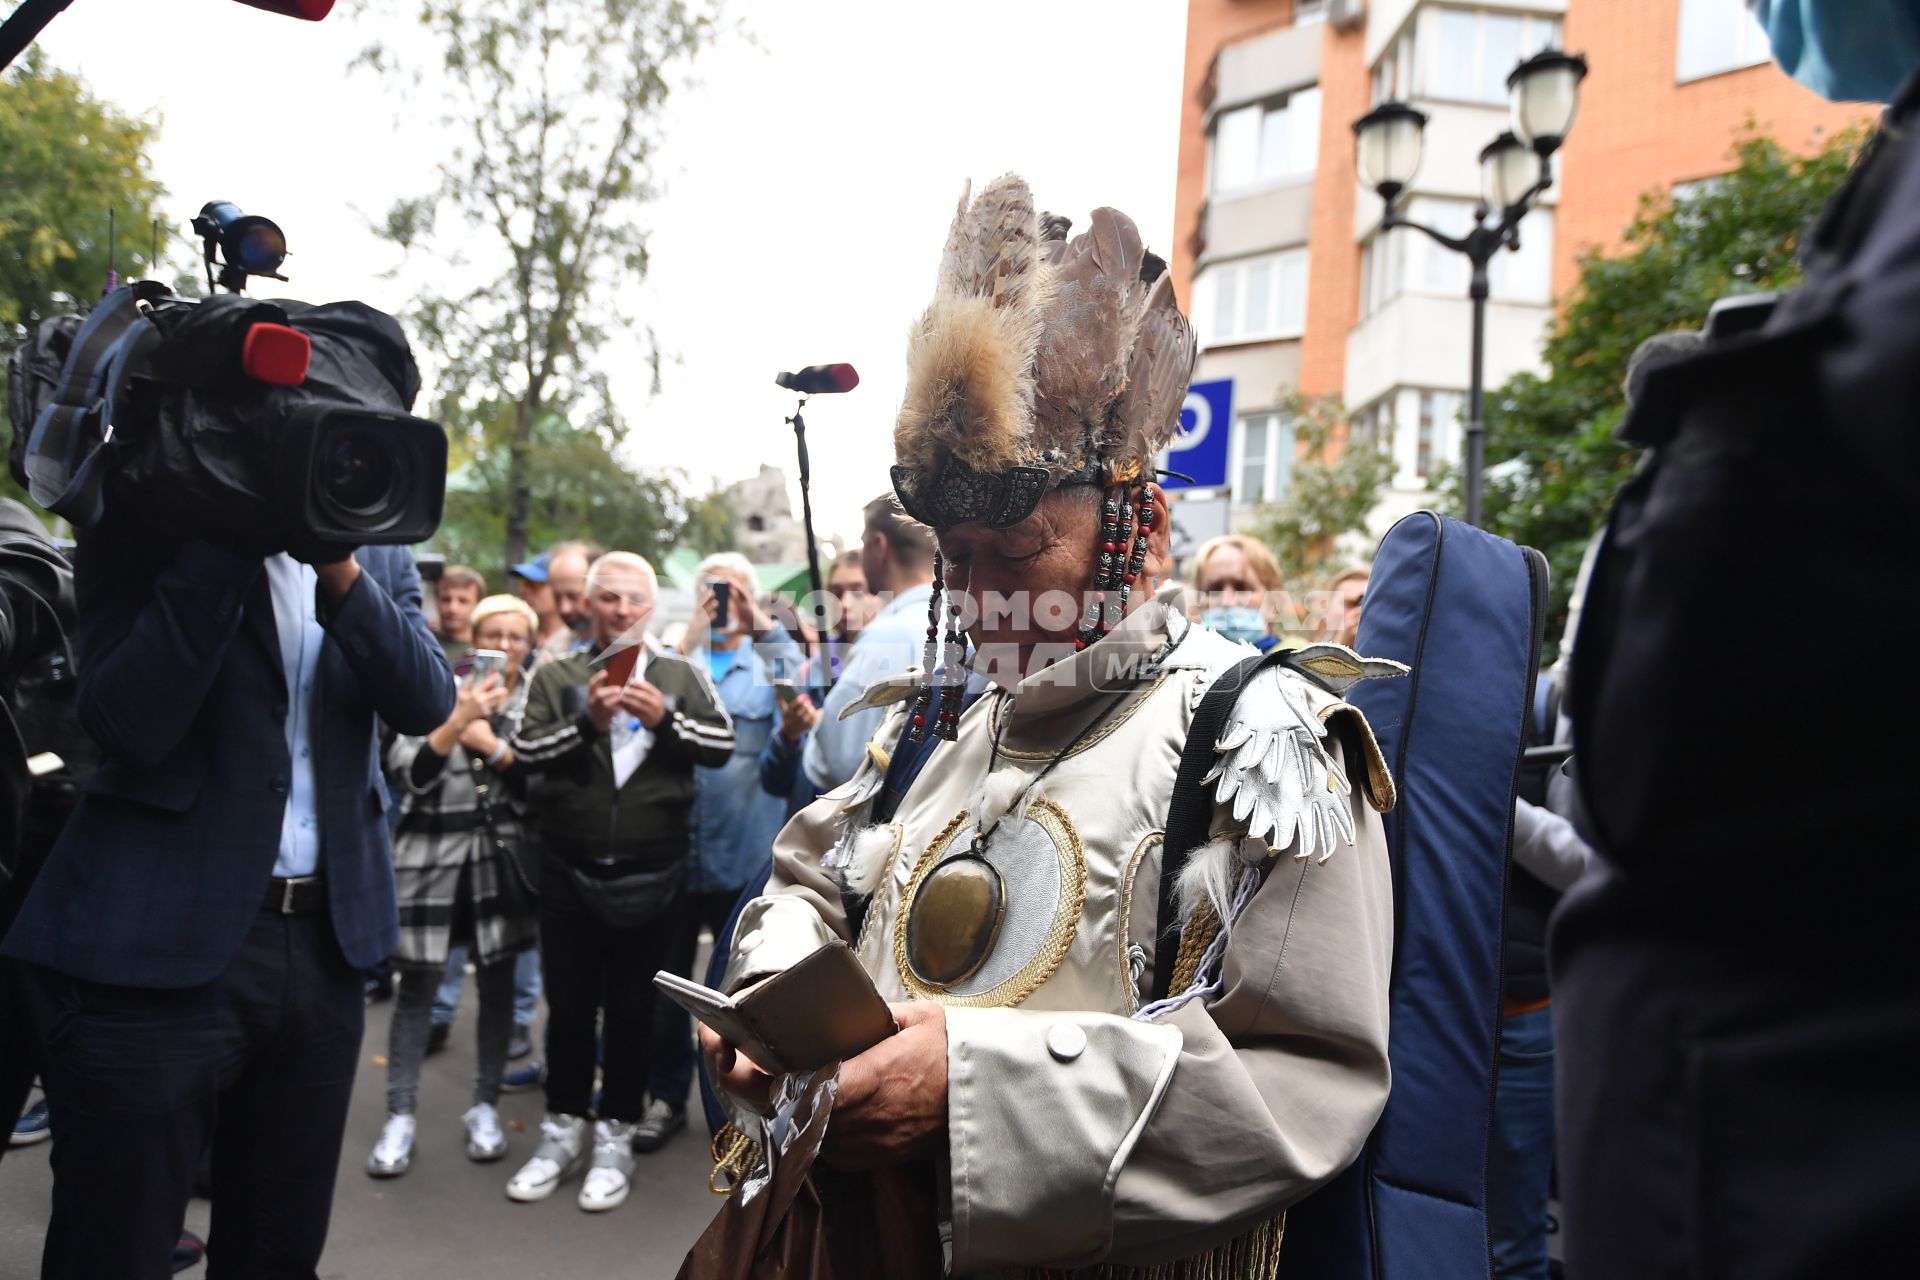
(66, 447)
(1190, 811)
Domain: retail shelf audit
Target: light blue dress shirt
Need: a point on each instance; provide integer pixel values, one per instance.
(895, 640)
(295, 589)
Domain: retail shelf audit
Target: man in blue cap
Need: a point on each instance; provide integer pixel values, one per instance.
(536, 588)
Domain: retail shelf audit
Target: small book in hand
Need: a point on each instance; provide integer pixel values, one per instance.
(824, 1009)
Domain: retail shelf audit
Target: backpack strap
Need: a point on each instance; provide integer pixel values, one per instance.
(1190, 812)
(73, 431)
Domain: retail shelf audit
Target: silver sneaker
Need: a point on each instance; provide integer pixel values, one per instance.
(393, 1154)
(611, 1176)
(485, 1140)
(561, 1154)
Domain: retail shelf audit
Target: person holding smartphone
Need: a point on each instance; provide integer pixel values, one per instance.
(462, 879)
(616, 733)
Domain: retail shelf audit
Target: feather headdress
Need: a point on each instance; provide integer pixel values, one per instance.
(1040, 361)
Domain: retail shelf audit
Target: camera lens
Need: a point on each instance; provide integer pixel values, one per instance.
(361, 477)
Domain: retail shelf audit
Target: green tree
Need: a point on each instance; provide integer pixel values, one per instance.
(66, 159)
(1553, 464)
(579, 489)
(1337, 477)
(708, 526)
(551, 106)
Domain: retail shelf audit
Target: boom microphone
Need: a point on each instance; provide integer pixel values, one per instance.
(820, 379)
(311, 10)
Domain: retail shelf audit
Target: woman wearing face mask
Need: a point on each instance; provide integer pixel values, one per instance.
(1240, 589)
(460, 876)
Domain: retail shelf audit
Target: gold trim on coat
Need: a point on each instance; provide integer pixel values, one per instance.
(1053, 950)
(1093, 739)
(1151, 840)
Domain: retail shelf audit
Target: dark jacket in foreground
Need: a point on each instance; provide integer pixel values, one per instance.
(165, 864)
(578, 810)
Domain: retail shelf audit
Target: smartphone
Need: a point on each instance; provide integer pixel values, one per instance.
(486, 661)
(620, 664)
(723, 597)
(786, 691)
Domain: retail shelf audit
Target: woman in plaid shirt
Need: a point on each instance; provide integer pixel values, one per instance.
(459, 863)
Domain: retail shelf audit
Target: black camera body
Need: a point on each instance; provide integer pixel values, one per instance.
(155, 409)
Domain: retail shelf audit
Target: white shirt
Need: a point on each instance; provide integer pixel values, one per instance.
(631, 739)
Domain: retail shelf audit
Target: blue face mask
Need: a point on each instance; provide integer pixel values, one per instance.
(1844, 50)
(1237, 623)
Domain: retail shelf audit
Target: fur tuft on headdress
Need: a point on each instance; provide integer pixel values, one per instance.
(970, 355)
(1040, 351)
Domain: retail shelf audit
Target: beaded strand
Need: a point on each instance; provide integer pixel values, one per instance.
(930, 657)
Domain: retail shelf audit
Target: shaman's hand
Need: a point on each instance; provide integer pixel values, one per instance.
(892, 1104)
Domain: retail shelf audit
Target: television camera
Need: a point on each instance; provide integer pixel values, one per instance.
(255, 423)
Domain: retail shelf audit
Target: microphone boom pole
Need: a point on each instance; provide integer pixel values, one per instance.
(815, 379)
(813, 545)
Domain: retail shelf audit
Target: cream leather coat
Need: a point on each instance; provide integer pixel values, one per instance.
(1079, 1133)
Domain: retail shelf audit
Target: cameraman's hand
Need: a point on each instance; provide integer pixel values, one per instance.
(645, 701)
(603, 700)
(337, 577)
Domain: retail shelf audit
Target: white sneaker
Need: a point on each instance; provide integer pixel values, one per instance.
(560, 1155)
(393, 1154)
(611, 1176)
(485, 1140)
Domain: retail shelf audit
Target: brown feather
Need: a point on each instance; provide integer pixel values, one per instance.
(1158, 371)
(970, 357)
(1052, 352)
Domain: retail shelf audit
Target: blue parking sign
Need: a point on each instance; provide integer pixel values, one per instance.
(1199, 447)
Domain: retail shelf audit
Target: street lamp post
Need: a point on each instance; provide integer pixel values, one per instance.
(1514, 170)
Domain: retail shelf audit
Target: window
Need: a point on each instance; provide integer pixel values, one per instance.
(1393, 74)
(1383, 270)
(1401, 261)
(1716, 36)
(1439, 426)
(1373, 426)
(1264, 458)
(1305, 11)
(1266, 142)
(1254, 299)
(1525, 274)
(1472, 51)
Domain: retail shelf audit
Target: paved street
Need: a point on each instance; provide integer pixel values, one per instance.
(447, 1216)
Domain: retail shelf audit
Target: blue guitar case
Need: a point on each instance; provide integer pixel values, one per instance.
(1464, 610)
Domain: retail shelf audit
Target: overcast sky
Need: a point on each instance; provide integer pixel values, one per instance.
(809, 176)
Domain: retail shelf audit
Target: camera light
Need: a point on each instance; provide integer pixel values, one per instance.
(250, 244)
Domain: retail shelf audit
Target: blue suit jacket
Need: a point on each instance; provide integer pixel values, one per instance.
(165, 863)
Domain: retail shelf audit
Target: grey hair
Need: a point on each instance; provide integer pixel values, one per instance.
(622, 560)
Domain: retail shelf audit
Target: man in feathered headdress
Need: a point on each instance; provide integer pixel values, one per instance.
(1099, 1084)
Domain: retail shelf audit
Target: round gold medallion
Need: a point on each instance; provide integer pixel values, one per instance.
(956, 919)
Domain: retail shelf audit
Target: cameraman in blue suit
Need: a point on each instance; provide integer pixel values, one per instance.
(194, 944)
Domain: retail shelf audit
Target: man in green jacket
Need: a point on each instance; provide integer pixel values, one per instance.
(616, 755)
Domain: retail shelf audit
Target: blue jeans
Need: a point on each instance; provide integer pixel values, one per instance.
(1520, 1165)
(526, 988)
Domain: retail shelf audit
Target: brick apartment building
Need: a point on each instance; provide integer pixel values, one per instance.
(1277, 253)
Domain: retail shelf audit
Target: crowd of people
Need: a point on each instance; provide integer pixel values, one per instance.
(564, 835)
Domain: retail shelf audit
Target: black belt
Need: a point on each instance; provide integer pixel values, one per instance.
(295, 895)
